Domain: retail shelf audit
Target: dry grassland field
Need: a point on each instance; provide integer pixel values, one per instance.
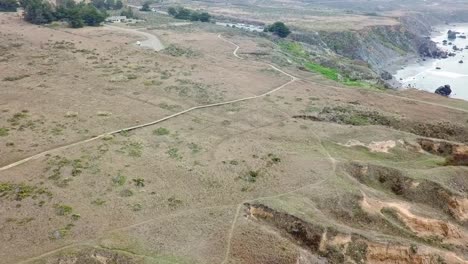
(305, 170)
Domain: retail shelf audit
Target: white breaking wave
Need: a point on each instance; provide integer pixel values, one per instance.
(447, 74)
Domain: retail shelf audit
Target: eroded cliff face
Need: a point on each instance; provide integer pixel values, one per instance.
(334, 246)
(380, 47)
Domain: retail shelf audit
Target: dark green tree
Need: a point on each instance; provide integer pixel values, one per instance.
(183, 13)
(194, 16)
(38, 12)
(91, 15)
(62, 11)
(279, 29)
(145, 7)
(74, 18)
(204, 17)
(8, 5)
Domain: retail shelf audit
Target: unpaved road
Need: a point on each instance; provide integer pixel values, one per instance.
(151, 41)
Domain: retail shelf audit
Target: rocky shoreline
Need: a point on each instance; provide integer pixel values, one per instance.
(433, 73)
(427, 49)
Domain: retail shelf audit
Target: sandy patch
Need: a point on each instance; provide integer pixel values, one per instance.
(374, 146)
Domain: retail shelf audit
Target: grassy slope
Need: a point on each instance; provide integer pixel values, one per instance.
(301, 56)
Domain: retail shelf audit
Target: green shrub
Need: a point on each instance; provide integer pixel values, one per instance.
(139, 182)
(161, 131)
(279, 29)
(126, 193)
(98, 202)
(119, 179)
(3, 131)
(15, 78)
(63, 209)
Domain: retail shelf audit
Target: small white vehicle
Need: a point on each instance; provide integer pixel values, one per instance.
(138, 43)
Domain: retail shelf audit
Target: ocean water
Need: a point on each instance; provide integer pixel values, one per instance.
(424, 75)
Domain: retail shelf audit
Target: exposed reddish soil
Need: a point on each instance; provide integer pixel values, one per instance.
(456, 153)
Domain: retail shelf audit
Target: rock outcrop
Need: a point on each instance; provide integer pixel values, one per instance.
(452, 34)
(444, 90)
(385, 75)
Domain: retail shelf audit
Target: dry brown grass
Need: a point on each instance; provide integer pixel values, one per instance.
(195, 176)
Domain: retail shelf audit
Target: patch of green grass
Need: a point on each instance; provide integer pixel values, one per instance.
(20, 221)
(177, 51)
(357, 251)
(303, 57)
(57, 131)
(168, 106)
(4, 131)
(98, 202)
(75, 217)
(126, 193)
(273, 158)
(124, 133)
(329, 73)
(22, 191)
(133, 149)
(174, 153)
(294, 48)
(15, 119)
(251, 176)
(77, 167)
(194, 147)
(161, 131)
(137, 207)
(61, 233)
(311, 108)
(61, 209)
(57, 164)
(119, 179)
(139, 182)
(15, 78)
(132, 76)
(351, 116)
(334, 75)
(174, 202)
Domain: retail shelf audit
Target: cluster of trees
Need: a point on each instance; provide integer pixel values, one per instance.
(77, 15)
(108, 4)
(187, 14)
(279, 29)
(8, 5)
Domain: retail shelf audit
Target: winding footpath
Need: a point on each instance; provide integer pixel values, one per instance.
(42, 154)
